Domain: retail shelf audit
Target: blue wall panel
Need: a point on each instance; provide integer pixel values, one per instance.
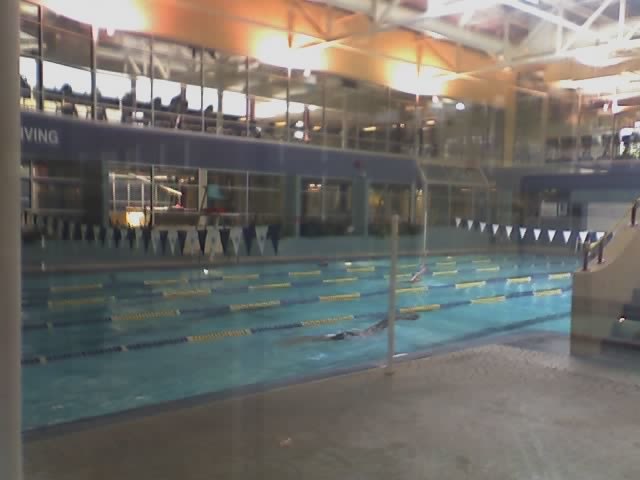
(60, 138)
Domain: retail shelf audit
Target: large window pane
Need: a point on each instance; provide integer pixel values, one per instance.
(123, 78)
(176, 87)
(225, 101)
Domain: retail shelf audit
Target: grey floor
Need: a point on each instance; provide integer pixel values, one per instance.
(491, 412)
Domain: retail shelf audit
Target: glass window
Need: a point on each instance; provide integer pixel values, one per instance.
(224, 74)
(461, 202)
(123, 78)
(305, 107)
(231, 200)
(386, 200)
(268, 104)
(312, 198)
(402, 114)
(438, 205)
(66, 51)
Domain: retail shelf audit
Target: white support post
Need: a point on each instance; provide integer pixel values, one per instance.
(391, 316)
(622, 16)
(10, 342)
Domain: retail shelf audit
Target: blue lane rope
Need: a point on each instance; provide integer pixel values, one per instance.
(45, 290)
(212, 336)
(233, 308)
(173, 294)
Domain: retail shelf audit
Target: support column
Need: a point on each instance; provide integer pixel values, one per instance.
(292, 202)
(10, 341)
(360, 206)
(510, 115)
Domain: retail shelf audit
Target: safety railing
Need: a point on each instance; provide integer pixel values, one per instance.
(596, 249)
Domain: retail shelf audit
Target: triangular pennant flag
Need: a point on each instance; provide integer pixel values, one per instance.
(131, 237)
(164, 237)
(236, 239)
(509, 229)
(202, 240)
(536, 233)
(483, 225)
(224, 233)
(495, 228)
(117, 236)
(248, 233)
(599, 235)
(108, 238)
(213, 244)
(261, 236)
(157, 244)
(458, 221)
(469, 224)
(192, 243)
(182, 240)
(551, 234)
(523, 232)
(273, 232)
(583, 236)
(139, 240)
(83, 232)
(172, 237)
(567, 235)
(96, 232)
(146, 238)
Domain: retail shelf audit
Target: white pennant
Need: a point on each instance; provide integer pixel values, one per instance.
(137, 239)
(566, 234)
(536, 233)
(261, 237)
(495, 228)
(108, 240)
(155, 241)
(96, 233)
(483, 225)
(212, 244)
(83, 232)
(469, 224)
(458, 221)
(72, 230)
(551, 234)
(172, 239)
(509, 229)
(583, 236)
(599, 235)
(236, 238)
(191, 242)
(523, 232)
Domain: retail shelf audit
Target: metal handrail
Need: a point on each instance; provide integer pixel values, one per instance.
(596, 249)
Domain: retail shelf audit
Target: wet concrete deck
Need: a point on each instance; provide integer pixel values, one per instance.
(492, 412)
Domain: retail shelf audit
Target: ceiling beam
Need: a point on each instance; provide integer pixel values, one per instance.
(584, 28)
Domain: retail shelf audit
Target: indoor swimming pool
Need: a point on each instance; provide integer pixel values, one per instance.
(98, 344)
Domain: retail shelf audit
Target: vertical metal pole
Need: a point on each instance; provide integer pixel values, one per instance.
(287, 114)
(94, 89)
(151, 75)
(247, 113)
(391, 327)
(39, 72)
(152, 196)
(202, 123)
(10, 341)
(246, 198)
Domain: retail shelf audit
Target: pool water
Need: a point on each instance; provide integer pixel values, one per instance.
(95, 344)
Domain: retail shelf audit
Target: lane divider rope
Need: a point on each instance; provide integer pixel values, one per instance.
(232, 308)
(218, 335)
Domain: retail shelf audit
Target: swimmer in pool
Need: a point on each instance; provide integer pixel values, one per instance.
(418, 275)
(347, 334)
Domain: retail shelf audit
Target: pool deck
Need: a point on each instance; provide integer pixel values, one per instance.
(488, 412)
